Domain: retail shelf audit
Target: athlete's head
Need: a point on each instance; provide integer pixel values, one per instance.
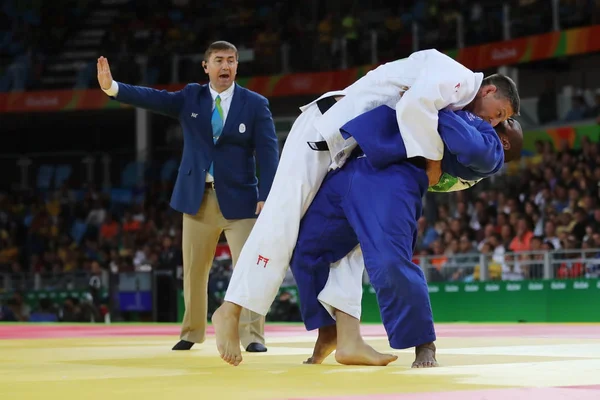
(511, 136)
(497, 99)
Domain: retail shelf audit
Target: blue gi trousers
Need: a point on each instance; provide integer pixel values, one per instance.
(378, 209)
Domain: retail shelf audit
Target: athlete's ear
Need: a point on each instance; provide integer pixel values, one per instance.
(505, 142)
(488, 89)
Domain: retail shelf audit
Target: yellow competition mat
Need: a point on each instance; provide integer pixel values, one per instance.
(528, 361)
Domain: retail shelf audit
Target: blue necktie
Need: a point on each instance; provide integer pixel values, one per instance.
(217, 125)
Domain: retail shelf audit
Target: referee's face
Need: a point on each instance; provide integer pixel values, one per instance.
(221, 69)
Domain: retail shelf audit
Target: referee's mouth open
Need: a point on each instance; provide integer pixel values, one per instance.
(224, 77)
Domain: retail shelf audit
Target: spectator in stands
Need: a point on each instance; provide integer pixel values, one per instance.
(109, 230)
(267, 50)
(547, 104)
(71, 311)
(351, 27)
(465, 259)
(493, 266)
(325, 39)
(426, 234)
(19, 308)
(578, 111)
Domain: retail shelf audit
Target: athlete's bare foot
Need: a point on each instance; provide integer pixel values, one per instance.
(360, 353)
(325, 345)
(226, 321)
(351, 348)
(425, 356)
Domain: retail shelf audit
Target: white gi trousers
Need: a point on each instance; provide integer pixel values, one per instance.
(266, 255)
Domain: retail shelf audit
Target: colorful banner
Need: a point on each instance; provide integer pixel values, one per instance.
(532, 48)
(571, 134)
(94, 99)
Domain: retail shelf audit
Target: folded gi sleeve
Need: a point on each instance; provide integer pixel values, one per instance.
(477, 146)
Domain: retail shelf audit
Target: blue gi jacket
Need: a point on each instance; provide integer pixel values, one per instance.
(472, 148)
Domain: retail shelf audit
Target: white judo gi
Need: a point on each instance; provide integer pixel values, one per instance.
(436, 82)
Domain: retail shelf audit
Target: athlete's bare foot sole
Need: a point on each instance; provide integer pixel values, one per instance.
(226, 332)
(360, 353)
(325, 345)
(425, 356)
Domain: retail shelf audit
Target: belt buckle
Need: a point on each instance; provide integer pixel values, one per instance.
(212, 185)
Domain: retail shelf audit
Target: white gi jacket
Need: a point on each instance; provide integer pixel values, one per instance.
(436, 82)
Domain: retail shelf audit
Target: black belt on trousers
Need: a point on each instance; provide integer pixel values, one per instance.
(419, 162)
(324, 105)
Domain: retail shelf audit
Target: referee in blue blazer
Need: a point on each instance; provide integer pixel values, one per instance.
(226, 128)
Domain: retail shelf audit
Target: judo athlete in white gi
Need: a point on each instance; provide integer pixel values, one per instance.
(376, 200)
(436, 82)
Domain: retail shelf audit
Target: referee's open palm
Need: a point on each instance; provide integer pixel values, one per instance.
(104, 76)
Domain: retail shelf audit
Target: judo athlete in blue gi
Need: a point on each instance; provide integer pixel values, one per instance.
(375, 200)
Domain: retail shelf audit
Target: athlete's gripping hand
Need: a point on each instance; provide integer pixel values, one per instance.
(434, 171)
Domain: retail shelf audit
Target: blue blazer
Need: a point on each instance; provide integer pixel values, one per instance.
(248, 129)
(472, 148)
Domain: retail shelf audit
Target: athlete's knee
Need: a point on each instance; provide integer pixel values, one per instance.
(396, 270)
(302, 259)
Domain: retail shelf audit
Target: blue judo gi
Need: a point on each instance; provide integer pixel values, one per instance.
(375, 199)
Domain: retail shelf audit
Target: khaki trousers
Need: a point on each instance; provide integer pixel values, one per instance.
(200, 237)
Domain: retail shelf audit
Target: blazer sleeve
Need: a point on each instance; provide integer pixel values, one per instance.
(158, 101)
(477, 147)
(267, 147)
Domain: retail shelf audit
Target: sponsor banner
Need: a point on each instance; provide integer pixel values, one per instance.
(32, 298)
(539, 47)
(513, 286)
(532, 48)
(94, 99)
(569, 300)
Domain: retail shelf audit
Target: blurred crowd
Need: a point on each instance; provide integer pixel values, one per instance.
(552, 204)
(55, 234)
(32, 31)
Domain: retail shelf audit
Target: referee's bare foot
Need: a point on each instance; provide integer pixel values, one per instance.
(360, 353)
(325, 345)
(226, 321)
(425, 356)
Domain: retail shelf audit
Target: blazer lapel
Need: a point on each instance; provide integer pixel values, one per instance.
(237, 103)
(205, 113)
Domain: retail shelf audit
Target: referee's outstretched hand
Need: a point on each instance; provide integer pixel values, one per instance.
(104, 76)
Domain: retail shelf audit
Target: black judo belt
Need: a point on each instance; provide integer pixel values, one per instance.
(324, 105)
